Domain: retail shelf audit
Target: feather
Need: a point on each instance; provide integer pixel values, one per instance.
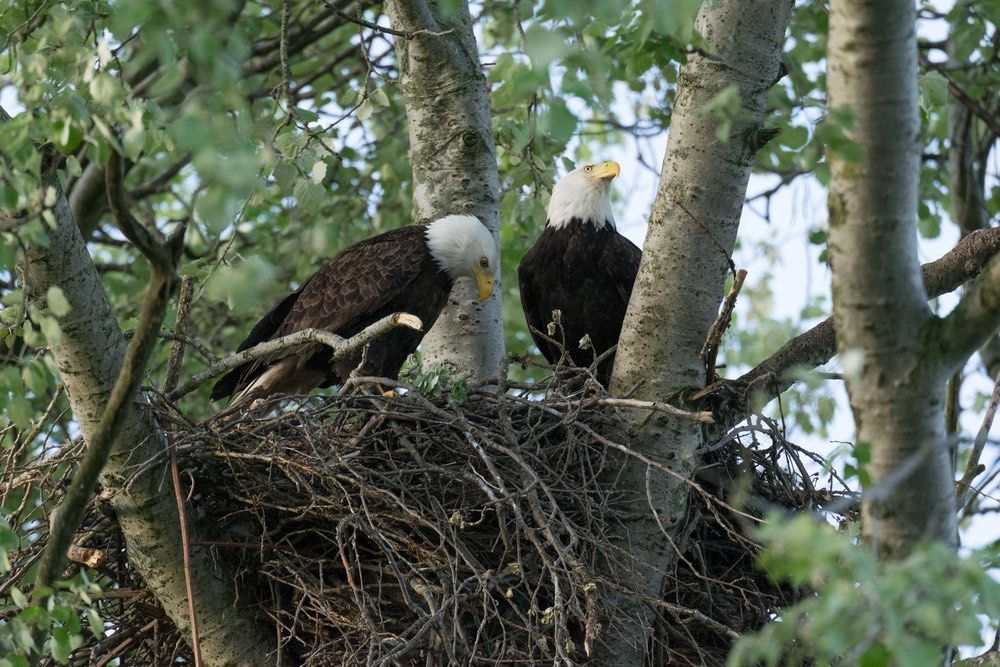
(586, 272)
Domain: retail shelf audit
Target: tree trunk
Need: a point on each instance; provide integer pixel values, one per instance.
(680, 285)
(880, 306)
(89, 355)
(454, 165)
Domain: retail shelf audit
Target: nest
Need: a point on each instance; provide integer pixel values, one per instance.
(469, 528)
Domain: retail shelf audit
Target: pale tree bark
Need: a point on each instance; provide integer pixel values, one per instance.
(680, 286)
(881, 316)
(454, 164)
(89, 356)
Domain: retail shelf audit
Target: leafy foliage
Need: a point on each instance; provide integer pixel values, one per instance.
(275, 166)
(863, 612)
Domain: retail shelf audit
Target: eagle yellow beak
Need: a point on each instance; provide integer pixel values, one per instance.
(484, 283)
(607, 171)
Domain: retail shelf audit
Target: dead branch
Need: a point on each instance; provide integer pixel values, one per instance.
(180, 331)
(965, 491)
(710, 350)
(340, 347)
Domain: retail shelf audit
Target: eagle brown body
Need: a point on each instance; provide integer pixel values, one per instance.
(389, 273)
(586, 272)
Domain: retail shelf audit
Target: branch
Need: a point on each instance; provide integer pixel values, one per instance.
(964, 488)
(298, 42)
(162, 259)
(169, 383)
(180, 331)
(976, 317)
(340, 347)
(159, 182)
(159, 256)
(818, 345)
(404, 34)
(710, 350)
(703, 416)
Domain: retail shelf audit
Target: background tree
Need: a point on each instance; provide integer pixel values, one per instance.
(281, 131)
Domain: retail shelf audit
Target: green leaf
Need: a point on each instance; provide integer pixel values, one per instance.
(794, 137)
(543, 45)
(58, 305)
(61, 648)
(19, 410)
(240, 285)
(20, 599)
(50, 330)
(560, 122)
(318, 172)
(104, 88)
(379, 97)
(724, 107)
(933, 91)
(96, 622)
(309, 195)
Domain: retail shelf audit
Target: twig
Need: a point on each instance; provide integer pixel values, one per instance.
(341, 347)
(405, 34)
(180, 330)
(654, 406)
(964, 99)
(710, 350)
(186, 553)
(198, 346)
(973, 468)
(169, 384)
(286, 72)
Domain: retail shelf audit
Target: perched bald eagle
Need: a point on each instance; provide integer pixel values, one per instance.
(411, 269)
(581, 266)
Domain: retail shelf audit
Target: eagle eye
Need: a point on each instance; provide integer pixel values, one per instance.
(589, 167)
(484, 262)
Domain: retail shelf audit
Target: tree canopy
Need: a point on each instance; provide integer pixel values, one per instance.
(273, 133)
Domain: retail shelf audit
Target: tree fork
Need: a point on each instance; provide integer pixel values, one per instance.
(454, 165)
(679, 289)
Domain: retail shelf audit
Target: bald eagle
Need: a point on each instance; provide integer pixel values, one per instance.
(410, 269)
(581, 266)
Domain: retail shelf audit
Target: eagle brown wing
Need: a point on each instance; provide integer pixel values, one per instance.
(342, 297)
(620, 261)
(587, 273)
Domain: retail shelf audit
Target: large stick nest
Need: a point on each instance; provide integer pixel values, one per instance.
(409, 529)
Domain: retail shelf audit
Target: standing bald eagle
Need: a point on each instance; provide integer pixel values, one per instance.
(410, 269)
(582, 266)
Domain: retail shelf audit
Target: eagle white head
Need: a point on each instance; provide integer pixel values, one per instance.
(462, 246)
(584, 194)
